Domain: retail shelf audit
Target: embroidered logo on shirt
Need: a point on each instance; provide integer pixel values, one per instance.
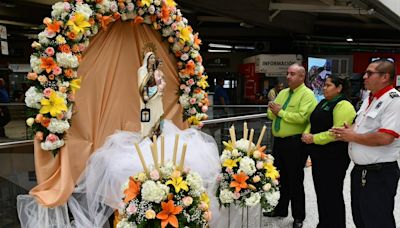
(393, 94)
(378, 105)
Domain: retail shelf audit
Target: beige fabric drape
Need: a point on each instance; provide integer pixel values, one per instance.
(108, 100)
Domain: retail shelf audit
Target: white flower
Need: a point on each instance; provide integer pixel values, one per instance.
(184, 57)
(194, 54)
(84, 9)
(33, 98)
(243, 144)
(124, 223)
(167, 169)
(104, 6)
(157, 2)
(30, 121)
(35, 64)
(60, 40)
(154, 192)
(226, 196)
(154, 175)
(272, 197)
(43, 38)
(167, 31)
(226, 154)
(184, 100)
(151, 9)
(47, 145)
(253, 200)
(58, 8)
(235, 153)
(195, 181)
(67, 60)
(247, 165)
(58, 126)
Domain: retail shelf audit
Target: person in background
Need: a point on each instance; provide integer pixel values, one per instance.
(330, 159)
(4, 112)
(220, 98)
(290, 113)
(374, 148)
(274, 91)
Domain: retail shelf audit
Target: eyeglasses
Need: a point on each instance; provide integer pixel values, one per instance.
(370, 73)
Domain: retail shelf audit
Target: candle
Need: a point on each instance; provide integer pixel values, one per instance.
(175, 148)
(250, 140)
(233, 136)
(261, 136)
(245, 130)
(162, 150)
(155, 150)
(153, 153)
(141, 159)
(183, 156)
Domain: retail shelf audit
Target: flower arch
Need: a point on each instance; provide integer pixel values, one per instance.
(58, 53)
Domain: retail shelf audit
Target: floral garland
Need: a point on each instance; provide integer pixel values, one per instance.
(58, 53)
(165, 197)
(248, 176)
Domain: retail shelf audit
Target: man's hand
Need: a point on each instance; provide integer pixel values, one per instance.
(307, 138)
(345, 133)
(274, 107)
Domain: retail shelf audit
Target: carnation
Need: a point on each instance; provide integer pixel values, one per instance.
(58, 126)
(33, 98)
(184, 100)
(226, 196)
(247, 165)
(35, 64)
(253, 200)
(67, 60)
(194, 181)
(42, 36)
(243, 144)
(124, 223)
(272, 197)
(154, 192)
(52, 145)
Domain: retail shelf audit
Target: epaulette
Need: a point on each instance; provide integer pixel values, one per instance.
(393, 94)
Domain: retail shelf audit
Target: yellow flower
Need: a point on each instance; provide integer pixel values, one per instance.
(228, 145)
(170, 3)
(193, 120)
(185, 33)
(75, 85)
(78, 24)
(271, 171)
(178, 184)
(204, 198)
(147, 2)
(230, 163)
(203, 82)
(55, 105)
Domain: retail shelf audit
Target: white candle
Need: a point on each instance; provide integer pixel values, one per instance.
(141, 159)
(261, 136)
(162, 150)
(245, 130)
(175, 148)
(233, 136)
(250, 140)
(183, 157)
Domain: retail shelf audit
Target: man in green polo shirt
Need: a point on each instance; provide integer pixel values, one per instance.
(290, 113)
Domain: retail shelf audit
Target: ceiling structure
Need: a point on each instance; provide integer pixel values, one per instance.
(267, 25)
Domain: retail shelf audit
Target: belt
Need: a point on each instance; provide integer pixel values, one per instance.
(376, 166)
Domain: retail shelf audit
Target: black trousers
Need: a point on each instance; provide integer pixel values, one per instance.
(290, 157)
(329, 171)
(373, 204)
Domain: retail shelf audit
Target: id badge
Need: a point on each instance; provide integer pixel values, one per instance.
(145, 115)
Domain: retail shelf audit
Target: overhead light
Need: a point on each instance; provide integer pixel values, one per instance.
(219, 51)
(245, 47)
(349, 39)
(219, 45)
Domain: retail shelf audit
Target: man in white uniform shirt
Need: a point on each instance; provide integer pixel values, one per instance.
(374, 148)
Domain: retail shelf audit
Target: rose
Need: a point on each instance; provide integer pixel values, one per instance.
(236, 195)
(260, 165)
(150, 214)
(154, 175)
(187, 201)
(267, 187)
(52, 138)
(39, 118)
(204, 108)
(57, 70)
(47, 92)
(49, 51)
(32, 76)
(256, 179)
(30, 121)
(132, 209)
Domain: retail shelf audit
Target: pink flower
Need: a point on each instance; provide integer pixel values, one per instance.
(204, 108)
(154, 175)
(229, 170)
(47, 92)
(57, 70)
(192, 101)
(193, 111)
(49, 51)
(236, 195)
(219, 178)
(52, 138)
(190, 81)
(260, 165)
(174, 26)
(130, 6)
(182, 86)
(187, 90)
(132, 209)
(187, 201)
(67, 6)
(32, 76)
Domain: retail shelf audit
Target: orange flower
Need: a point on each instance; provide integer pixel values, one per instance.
(239, 182)
(71, 35)
(48, 64)
(199, 59)
(64, 48)
(132, 191)
(138, 20)
(116, 16)
(165, 13)
(105, 21)
(75, 48)
(54, 26)
(197, 40)
(167, 215)
(261, 150)
(68, 73)
(189, 69)
(45, 122)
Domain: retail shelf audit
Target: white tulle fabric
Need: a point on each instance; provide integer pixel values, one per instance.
(98, 193)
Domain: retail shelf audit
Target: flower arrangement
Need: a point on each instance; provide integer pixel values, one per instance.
(248, 175)
(164, 196)
(65, 37)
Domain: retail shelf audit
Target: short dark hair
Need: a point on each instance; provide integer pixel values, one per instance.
(385, 66)
(343, 80)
